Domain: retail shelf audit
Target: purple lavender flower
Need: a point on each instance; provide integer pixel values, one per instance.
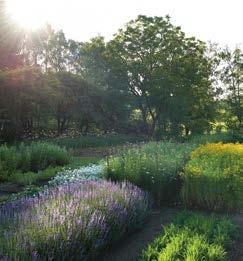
(71, 220)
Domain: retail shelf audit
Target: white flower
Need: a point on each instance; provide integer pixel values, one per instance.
(91, 172)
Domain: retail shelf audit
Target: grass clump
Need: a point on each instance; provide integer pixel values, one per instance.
(193, 237)
(213, 178)
(154, 167)
(34, 157)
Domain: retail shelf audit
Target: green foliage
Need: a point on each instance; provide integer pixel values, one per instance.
(8, 160)
(212, 178)
(192, 237)
(41, 155)
(77, 162)
(162, 65)
(30, 178)
(49, 84)
(97, 141)
(214, 138)
(232, 77)
(30, 158)
(154, 167)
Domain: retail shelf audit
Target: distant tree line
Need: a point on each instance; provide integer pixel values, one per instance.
(150, 79)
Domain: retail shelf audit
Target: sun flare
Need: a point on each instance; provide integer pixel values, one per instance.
(29, 14)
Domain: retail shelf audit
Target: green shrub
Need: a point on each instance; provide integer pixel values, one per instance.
(213, 178)
(8, 158)
(47, 174)
(30, 178)
(154, 167)
(41, 155)
(3, 173)
(23, 179)
(30, 158)
(192, 237)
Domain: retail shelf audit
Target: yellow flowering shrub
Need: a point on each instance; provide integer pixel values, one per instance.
(213, 177)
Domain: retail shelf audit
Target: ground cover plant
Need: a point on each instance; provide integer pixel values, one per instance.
(193, 237)
(154, 167)
(213, 178)
(90, 172)
(77, 220)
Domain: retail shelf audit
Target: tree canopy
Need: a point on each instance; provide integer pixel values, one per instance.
(150, 79)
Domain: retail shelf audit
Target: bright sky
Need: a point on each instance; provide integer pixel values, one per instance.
(216, 20)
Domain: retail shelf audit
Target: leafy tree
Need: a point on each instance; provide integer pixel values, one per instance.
(96, 64)
(19, 91)
(232, 77)
(71, 100)
(166, 72)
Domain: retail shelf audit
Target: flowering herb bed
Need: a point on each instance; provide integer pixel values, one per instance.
(71, 221)
(91, 172)
(154, 167)
(212, 178)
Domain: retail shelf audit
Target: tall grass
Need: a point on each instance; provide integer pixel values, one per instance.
(213, 178)
(214, 138)
(193, 237)
(154, 167)
(71, 222)
(33, 157)
(82, 142)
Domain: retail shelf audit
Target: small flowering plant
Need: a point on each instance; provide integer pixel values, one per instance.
(212, 178)
(74, 221)
(154, 167)
(91, 172)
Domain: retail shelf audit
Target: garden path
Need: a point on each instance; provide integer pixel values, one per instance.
(131, 247)
(237, 251)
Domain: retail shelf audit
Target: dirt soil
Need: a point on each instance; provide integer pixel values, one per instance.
(92, 152)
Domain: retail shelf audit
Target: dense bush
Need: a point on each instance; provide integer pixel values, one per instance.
(97, 141)
(71, 222)
(213, 177)
(154, 167)
(192, 237)
(30, 158)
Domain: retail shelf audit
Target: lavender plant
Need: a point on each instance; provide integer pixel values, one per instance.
(71, 222)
